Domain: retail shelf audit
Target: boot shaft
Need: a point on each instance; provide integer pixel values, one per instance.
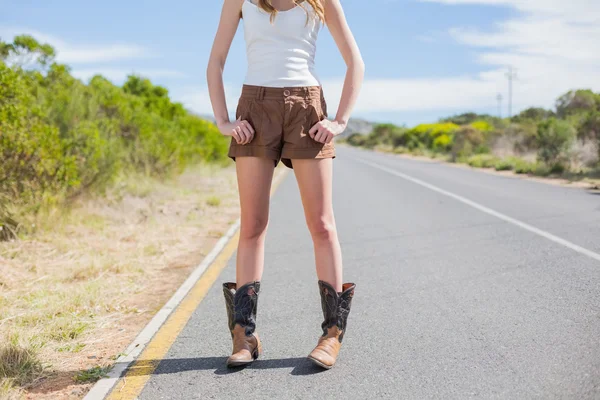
(336, 307)
(242, 305)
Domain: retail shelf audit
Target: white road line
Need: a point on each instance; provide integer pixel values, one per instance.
(482, 208)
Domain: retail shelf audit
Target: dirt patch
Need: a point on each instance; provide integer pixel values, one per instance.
(79, 290)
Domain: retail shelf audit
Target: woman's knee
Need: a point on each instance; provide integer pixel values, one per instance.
(323, 230)
(253, 228)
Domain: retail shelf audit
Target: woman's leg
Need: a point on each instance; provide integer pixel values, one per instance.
(314, 178)
(254, 176)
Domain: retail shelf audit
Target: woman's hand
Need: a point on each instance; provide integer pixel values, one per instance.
(241, 130)
(324, 131)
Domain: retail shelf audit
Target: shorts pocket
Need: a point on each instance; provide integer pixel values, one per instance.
(318, 111)
(324, 107)
(247, 110)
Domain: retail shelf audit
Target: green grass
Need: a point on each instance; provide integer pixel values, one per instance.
(19, 365)
(504, 165)
(93, 374)
(524, 167)
(482, 161)
(71, 348)
(213, 201)
(8, 391)
(66, 329)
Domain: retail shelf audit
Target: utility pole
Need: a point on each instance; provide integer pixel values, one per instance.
(511, 75)
(499, 98)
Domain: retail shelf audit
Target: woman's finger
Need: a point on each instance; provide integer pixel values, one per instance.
(247, 134)
(321, 136)
(241, 134)
(247, 124)
(329, 138)
(312, 132)
(235, 136)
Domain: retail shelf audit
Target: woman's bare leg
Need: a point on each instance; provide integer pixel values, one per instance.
(315, 182)
(254, 176)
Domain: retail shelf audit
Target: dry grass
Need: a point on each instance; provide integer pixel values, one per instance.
(76, 292)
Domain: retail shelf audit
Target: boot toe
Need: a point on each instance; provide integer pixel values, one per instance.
(242, 357)
(321, 358)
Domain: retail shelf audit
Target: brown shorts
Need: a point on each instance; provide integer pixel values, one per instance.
(281, 118)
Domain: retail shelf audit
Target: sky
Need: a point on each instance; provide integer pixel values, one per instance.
(425, 59)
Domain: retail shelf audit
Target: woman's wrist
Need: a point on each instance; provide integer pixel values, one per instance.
(341, 123)
(221, 122)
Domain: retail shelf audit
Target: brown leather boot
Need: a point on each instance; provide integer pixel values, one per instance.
(241, 312)
(336, 307)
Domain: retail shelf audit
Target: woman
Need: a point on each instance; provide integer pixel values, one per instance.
(281, 115)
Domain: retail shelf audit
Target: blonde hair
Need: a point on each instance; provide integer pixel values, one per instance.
(317, 5)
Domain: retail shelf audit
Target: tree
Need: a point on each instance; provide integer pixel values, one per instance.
(577, 101)
(464, 119)
(554, 138)
(156, 98)
(532, 114)
(5, 50)
(467, 140)
(590, 129)
(25, 50)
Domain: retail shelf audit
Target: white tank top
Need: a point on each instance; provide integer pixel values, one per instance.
(282, 53)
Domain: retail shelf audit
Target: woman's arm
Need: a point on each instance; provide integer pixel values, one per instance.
(230, 19)
(336, 22)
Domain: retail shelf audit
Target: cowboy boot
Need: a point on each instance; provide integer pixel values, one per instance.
(336, 307)
(241, 312)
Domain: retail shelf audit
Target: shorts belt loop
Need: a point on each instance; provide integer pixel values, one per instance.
(260, 94)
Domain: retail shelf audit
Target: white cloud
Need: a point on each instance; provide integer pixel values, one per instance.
(68, 53)
(417, 94)
(87, 60)
(198, 100)
(573, 10)
(118, 75)
(553, 44)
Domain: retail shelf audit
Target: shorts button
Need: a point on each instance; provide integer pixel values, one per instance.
(286, 92)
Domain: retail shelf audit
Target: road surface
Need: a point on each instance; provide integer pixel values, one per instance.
(469, 285)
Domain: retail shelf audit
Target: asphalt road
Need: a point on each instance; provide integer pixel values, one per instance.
(469, 285)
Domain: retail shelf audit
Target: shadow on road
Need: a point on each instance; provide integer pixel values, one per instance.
(300, 365)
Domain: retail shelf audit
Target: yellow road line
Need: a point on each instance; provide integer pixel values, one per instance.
(138, 374)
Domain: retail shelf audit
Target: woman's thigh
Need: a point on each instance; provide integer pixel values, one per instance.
(254, 176)
(314, 178)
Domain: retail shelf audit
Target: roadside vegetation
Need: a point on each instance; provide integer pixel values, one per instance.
(562, 142)
(109, 195)
(61, 138)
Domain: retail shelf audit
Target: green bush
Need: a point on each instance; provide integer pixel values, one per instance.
(577, 101)
(356, 139)
(532, 114)
(505, 164)
(482, 126)
(467, 140)
(60, 137)
(542, 169)
(482, 161)
(524, 167)
(554, 137)
(442, 143)
(524, 136)
(589, 129)
(471, 137)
